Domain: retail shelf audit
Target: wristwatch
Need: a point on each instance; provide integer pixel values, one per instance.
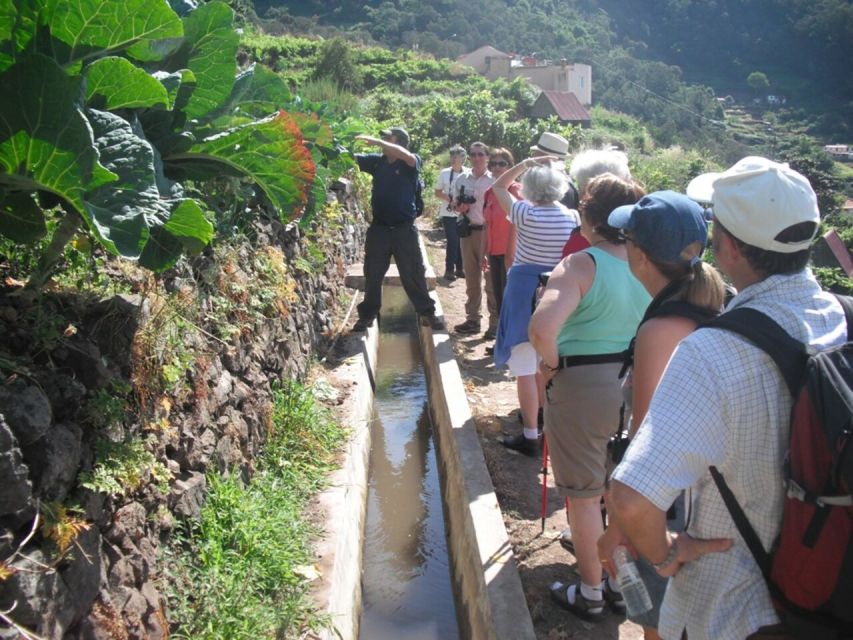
(673, 553)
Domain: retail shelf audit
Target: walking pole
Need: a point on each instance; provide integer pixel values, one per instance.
(544, 479)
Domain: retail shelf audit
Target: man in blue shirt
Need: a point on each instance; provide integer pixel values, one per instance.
(392, 231)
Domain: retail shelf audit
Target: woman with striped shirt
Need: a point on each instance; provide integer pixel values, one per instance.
(542, 227)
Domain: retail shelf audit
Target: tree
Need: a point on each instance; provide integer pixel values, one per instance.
(758, 82)
(337, 62)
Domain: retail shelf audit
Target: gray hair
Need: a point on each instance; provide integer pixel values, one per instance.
(593, 162)
(457, 150)
(544, 184)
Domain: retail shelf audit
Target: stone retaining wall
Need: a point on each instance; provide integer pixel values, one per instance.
(107, 585)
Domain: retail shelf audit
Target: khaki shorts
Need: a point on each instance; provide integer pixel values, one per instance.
(581, 413)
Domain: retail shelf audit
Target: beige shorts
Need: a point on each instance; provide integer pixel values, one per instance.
(581, 413)
(523, 360)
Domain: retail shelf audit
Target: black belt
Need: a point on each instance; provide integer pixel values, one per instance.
(475, 227)
(408, 223)
(601, 358)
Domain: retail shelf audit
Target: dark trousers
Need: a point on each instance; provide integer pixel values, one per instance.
(452, 254)
(381, 244)
(497, 269)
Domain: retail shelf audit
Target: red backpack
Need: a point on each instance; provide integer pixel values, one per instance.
(809, 571)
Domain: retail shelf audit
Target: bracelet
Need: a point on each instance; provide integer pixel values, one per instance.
(673, 552)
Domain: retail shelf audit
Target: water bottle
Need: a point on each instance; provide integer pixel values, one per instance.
(636, 596)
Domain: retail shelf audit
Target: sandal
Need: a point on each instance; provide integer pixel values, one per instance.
(614, 598)
(592, 610)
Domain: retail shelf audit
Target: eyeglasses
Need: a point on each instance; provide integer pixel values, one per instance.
(498, 163)
(477, 153)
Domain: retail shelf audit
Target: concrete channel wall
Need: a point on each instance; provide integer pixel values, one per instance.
(489, 597)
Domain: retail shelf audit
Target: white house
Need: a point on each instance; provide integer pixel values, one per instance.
(563, 77)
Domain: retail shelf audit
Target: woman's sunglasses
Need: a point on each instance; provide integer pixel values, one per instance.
(498, 163)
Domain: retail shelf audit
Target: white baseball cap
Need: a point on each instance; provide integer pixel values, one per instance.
(757, 199)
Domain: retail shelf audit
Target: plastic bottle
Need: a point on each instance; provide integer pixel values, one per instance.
(636, 596)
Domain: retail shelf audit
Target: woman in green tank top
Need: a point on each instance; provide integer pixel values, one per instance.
(584, 322)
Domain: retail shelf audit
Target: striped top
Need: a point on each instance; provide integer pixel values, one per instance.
(542, 231)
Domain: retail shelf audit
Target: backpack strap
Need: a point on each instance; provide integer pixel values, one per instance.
(846, 303)
(744, 527)
(765, 333)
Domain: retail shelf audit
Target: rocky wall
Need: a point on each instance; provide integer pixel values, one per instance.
(106, 584)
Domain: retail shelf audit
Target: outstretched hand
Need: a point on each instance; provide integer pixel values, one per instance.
(376, 142)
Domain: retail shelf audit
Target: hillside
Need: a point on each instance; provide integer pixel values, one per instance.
(638, 47)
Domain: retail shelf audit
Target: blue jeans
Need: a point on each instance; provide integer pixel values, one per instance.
(452, 254)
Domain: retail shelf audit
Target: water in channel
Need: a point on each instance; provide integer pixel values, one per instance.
(406, 584)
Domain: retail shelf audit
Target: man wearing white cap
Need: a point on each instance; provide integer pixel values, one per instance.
(722, 402)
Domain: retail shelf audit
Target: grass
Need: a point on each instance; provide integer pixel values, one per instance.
(235, 573)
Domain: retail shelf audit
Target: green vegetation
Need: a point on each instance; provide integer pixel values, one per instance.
(237, 573)
(123, 467)
(115, 112)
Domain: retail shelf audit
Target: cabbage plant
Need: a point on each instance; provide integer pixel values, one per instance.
(108, 106)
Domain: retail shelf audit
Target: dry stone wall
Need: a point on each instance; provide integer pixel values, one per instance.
(108, 584)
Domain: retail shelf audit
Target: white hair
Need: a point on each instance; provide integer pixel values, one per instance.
(544, 184)
(593, 162)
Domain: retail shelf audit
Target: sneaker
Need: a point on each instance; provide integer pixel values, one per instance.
(431, 320)
(567, 543)
(449, 276)
(491, 333)
(527, 446)
(361, 325)
(613, 598)
(468, 327)
(570, 598)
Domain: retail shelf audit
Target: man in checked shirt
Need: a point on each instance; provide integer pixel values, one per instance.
(723, 402)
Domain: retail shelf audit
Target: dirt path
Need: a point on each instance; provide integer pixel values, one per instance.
(517, 478)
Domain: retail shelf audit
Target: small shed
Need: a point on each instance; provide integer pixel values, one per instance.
(564, 105)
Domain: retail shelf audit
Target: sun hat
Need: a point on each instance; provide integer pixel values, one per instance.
(757, 199)
(668, 226)
(552, 145)
(400, 133)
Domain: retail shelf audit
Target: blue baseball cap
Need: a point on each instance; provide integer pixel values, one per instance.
(668, 226)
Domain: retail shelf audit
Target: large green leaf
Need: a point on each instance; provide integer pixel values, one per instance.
(116, 83)
(45, 141)
(271, 152)
(17, 28)
(121, 209)
(210, 53)
(21, 219)
(93, 27)
(186, 230)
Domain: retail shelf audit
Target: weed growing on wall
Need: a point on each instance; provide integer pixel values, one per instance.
(235, 573)
(123, 467)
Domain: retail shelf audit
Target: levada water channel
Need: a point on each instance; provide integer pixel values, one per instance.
(406, 577)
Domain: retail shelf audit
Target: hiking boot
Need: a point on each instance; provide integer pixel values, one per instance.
(570, 598)
(431, 320)
(469, 327)
(491, 333)
(448, 275)
(460, 274)
(361, 325)
(527, 446)
(612, 597)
